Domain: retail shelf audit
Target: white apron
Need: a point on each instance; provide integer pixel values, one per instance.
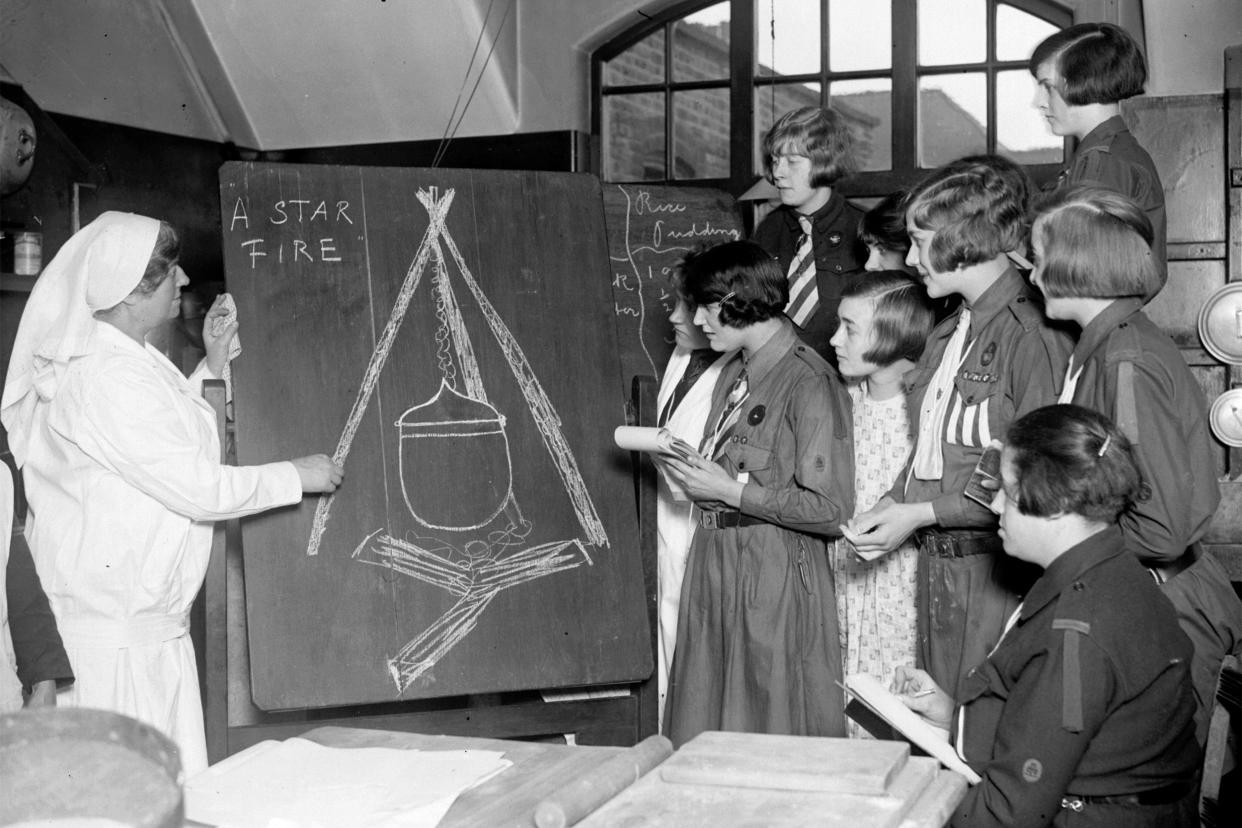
(674, 521)
(124, 480)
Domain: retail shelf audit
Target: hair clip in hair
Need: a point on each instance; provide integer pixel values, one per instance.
(727, 297)
(1104, 446)
(1020, 260)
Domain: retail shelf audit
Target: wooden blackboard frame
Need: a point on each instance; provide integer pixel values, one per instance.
(233, 723)
(650, 228)
(479, 544)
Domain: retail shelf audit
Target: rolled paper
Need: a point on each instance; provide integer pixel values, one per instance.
(583, 795)
(643, 438)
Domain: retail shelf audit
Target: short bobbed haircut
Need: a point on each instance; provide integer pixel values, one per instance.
(1015, 175)
(976, 211)
(164, 256)
(903, 318)
(884, 225)
(821, 135)
(1095, 243)
(1098, 63)
(1070, 459)
(740, 275)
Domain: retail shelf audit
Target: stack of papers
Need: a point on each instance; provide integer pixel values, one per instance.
(301, 783)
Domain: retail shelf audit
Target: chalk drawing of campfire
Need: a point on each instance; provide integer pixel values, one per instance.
(475, 541)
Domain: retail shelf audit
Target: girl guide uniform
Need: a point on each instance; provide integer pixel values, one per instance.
(1083, 714)
(123, 475)
(758, 647)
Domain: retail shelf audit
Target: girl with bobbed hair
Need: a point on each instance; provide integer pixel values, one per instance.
(757, 645)
(740, 277)
(813, 233)
(974, 212)
(821, 135)
(1094, 267)
(1096, 243)
(1082, 714)
(992, 359)
(885, 320)
(883, 232)
(1061, 459)
(1082, 74)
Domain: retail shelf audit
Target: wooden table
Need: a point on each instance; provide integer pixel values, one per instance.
(509, 799)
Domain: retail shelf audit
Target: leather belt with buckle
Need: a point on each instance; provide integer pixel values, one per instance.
(958, 544)
(1160, 796)
(727, 520)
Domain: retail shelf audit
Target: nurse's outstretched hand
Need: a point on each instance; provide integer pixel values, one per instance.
(318, 473)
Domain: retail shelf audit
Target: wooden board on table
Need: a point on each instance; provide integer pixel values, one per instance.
(792, 763)
(731, 784)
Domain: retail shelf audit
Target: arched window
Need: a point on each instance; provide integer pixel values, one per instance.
(687, 96)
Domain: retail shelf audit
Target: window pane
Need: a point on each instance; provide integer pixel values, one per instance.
(868, 109)
(859, 35)
(788, 35)
(952, 117)
(1021, 134)
(701, 45)
(1018, 33)
(774, 100)
(701, 134)
(634, 137)
(952, 31)
(641, 63)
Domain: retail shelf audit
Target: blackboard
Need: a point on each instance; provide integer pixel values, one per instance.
(439, 331)
(650, 228)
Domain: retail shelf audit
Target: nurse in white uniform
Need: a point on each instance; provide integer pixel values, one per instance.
(122, 468)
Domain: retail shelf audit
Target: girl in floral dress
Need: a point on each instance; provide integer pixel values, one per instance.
(885, 318)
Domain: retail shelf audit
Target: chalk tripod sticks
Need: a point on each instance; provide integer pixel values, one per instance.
(583, 795)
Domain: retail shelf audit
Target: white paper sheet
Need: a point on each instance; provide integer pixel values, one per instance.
(934, 740)
(300, 784)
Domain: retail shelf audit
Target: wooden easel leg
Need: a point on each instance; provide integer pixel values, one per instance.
(644, 394)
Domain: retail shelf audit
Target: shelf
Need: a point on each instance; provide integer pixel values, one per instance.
(13, 283)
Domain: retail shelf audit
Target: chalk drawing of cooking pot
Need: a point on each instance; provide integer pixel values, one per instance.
(456, 473)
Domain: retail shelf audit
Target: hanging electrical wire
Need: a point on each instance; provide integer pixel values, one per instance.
(772, 35)
(450, 129)
(440, 148)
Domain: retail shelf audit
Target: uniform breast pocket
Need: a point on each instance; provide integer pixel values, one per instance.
(750, 459)
(967, 422)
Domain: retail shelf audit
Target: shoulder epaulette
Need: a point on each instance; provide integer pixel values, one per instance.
(812, 359)
(1125, 344)
(1071, 670)
(1126, 414)
(1027, 310)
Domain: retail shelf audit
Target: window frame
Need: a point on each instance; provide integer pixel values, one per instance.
(744, 82)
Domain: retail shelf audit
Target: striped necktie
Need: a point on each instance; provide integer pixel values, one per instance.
(738, 393)
(803, 292)
(929, 450)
